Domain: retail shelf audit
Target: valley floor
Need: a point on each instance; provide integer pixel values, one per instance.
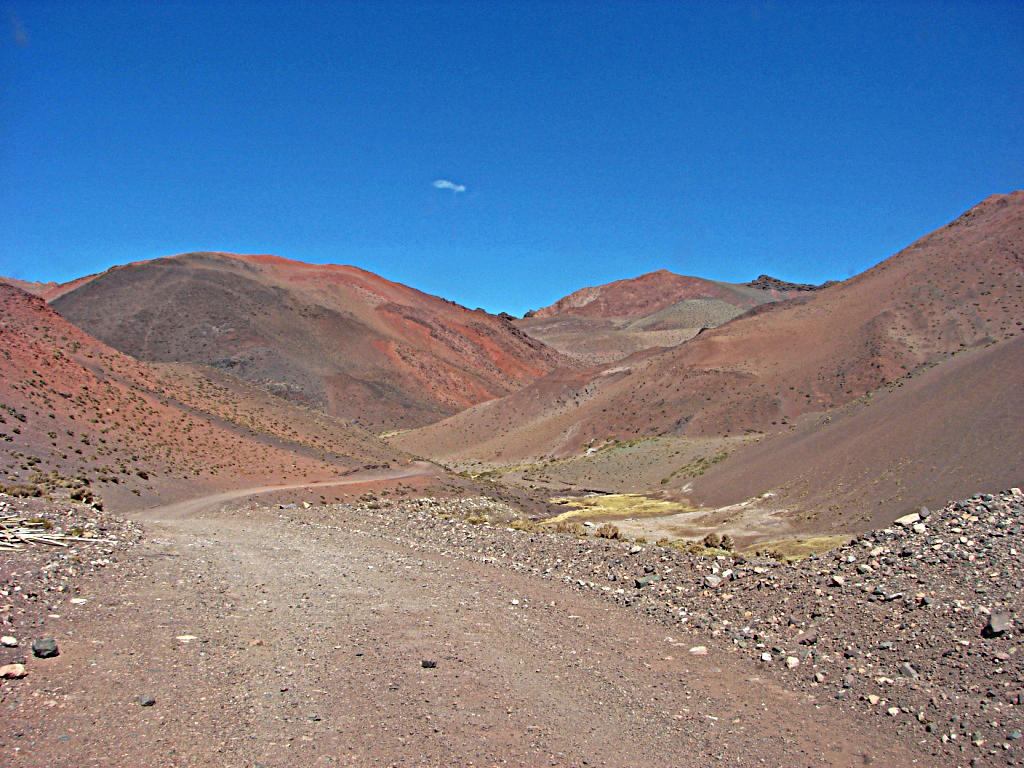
(307, 649)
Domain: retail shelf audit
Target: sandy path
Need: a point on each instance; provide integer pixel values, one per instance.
(309, 649)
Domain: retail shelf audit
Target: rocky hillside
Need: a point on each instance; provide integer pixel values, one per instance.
(885, 391)
(73, 411)
(957, 288)
(332, 337)
(608, 322)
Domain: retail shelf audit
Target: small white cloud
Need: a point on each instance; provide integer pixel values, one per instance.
(445, 184)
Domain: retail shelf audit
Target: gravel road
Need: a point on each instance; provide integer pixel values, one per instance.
(254, 642)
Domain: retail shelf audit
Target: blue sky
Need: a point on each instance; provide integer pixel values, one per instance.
(584, 142)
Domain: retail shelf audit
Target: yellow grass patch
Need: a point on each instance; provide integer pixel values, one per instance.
(615, 506)
(799, 547)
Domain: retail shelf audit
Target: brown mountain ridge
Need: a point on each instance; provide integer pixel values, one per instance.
(761, 374)
(605, 323)
(338, 338)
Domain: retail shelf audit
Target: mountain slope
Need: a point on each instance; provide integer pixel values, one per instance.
(608, 322)
(959, 287)
(338, 338)
(71, 406)
(954, 428)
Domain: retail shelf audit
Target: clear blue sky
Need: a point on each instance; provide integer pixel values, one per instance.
(594, 141)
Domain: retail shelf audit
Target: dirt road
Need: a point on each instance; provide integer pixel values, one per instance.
(308, 650)
(191, 507)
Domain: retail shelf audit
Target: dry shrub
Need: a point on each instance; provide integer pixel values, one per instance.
(608, 531)
(567, 526)
(522, 524)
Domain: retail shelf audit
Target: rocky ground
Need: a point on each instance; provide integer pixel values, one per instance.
(40, 581)
(912, 625)
(397, 632)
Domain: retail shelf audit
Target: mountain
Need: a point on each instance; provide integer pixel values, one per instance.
(336, 338)
(48, 291)
(72, 407)
(959, 288)
(608, 322)
(943, 433)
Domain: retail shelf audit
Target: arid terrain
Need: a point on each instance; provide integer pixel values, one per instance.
(787, 373)
(660, 309)
(256, 512)
(336, 338)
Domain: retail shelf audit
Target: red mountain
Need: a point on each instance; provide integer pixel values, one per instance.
(335, 337)
(957, 288)
(659, 309)
(72, 407)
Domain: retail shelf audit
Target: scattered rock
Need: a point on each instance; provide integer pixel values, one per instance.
(699, 650)
(908, 520)
(644, 581)
(997, 625)
(428, 664)
(13, 671)
(146, 701)
(7, 641)
(45, 648)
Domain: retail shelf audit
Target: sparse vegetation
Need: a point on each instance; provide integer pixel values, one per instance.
(608, 531)
(697, 467)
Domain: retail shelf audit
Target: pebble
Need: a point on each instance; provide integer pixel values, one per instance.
(428, 664)
(699, 650)
(7, 641)
(146, 701)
